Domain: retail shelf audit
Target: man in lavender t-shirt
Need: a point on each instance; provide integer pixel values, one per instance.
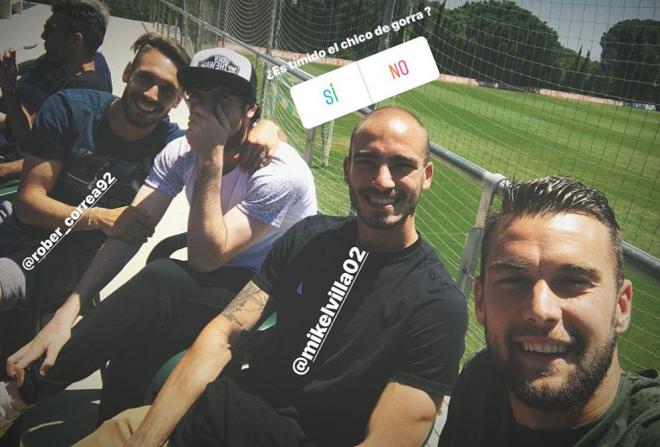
(279, 194)
(235, 215)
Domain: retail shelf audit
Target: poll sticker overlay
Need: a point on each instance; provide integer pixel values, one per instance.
(365, 82)
(399, 69)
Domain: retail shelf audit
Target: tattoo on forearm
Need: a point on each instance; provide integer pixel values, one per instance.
(250, 299)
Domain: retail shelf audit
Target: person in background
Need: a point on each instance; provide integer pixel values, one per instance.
(72, 35)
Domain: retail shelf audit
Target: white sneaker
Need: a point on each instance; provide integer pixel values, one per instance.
(8, 412)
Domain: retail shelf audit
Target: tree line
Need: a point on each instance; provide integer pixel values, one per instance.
(492, 41)
(498, 41)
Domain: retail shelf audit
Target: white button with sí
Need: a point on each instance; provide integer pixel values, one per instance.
(362, 83)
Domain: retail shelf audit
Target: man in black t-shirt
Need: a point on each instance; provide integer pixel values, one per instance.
(89, 152)
(552, 299)
(71, 35)
(370, 326)
(87, 156)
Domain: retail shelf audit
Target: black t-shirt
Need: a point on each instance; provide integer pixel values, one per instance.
(480, 415)
(93, 80)
(349, 321)
(45, 78)
(72, 127)
(39, 82)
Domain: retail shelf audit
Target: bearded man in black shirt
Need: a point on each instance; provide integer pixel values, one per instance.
(369, 334)
(552, 299)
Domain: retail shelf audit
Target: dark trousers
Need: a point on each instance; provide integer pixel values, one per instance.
(156, 314)
(226, 415)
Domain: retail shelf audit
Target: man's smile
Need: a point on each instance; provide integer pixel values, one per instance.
(145, 106)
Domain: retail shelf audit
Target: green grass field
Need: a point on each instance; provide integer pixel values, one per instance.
(521, 135)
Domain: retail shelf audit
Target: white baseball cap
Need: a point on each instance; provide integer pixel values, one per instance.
(216, 67)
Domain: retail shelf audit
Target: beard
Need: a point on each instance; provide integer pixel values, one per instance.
(575, 391)
(134, 116)
(380, 221)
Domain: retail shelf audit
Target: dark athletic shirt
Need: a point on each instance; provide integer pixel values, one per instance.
(87, 80)
(72, 127)
(101, 65)
(401, 319)
(480, 415)
(38, 83)
(44, 78)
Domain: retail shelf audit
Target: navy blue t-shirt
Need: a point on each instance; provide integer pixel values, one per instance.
(38, 83)
(72, 127)
(44, 78)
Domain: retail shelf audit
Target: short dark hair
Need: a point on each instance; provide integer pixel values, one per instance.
(87, 17)
(365, 118)
(553, 195)
(172, 50)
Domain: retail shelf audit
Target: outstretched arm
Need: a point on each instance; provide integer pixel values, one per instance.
(402, 417)
(108, 262)
(202, 363)
(34, 206)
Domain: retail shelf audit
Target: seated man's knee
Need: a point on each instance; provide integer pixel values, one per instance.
(158, 280)
(12, 284)
(160, 269)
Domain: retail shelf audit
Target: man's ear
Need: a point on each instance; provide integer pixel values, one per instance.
(347, 168)
(77, 39)
(128, 71)
(247, 120)
(623, 307)
(479, 310)
(251, 111)
(428, 175)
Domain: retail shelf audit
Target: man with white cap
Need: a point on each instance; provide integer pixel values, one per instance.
(370, 326)
(234, 218)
